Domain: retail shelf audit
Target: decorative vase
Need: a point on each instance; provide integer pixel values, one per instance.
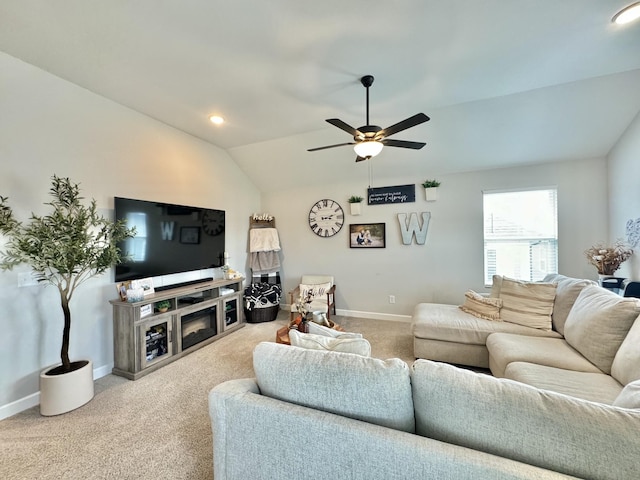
(63, 392)
(303, 326)
(355, 208)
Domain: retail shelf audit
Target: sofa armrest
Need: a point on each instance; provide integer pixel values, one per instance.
(263, 438)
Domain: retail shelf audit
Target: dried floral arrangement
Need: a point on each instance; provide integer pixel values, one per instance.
(608, 259)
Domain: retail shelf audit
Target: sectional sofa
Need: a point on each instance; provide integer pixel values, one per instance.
(332, 415)
(587, 349)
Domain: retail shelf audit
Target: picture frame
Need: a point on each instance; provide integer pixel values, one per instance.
(122, 288)
(190, 235)
(146, 284)
(367, 235)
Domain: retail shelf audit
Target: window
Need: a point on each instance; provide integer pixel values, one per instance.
(520, 234)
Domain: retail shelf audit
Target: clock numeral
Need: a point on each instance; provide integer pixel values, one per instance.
(314, 227)
(312, 219)
(325, 202)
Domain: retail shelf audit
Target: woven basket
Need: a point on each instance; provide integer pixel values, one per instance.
(259, 315)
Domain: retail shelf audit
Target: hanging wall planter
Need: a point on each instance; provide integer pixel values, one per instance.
(431, 190)
(355, 204)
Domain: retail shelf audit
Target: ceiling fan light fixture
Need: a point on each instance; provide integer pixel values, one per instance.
(627, 14)
(368, 148)
(216, 119)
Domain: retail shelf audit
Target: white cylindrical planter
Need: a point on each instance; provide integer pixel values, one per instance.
(68, 391)
(431, 194)
(355, 208)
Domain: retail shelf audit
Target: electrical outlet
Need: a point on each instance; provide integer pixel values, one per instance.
(392, 299)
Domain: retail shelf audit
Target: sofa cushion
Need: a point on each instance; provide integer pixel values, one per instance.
(527, 303)
(318, 329)
(567, 291)
(513, 420)
(448, 323)
(626, 364)
(505, 348)
(359, 346)
(363, 388)
(629, 396)
(595, 387)
(481, 307)
(598, 323)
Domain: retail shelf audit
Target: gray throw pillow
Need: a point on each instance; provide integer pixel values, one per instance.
(363, 388)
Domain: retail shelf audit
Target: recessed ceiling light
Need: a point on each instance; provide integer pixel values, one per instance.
(627, 14)
(216, 119)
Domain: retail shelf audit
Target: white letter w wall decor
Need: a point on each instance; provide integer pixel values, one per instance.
(414, 228)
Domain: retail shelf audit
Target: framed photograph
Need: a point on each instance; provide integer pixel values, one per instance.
(190, 235)
(146, 284)
(367, 235)
(122, 289)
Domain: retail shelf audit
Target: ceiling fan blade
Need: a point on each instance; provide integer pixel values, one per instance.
(417, 119)
(390, 142)
(336, 122)
(330, 146)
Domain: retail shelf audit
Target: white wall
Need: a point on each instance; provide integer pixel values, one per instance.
(624, 199)
(451, 261)
(51, 126)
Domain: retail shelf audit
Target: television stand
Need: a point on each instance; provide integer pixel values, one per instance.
(145, 338)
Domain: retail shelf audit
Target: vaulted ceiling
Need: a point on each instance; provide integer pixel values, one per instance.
(504, 82)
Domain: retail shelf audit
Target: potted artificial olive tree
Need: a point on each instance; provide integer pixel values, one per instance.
(354, 204)
(64, 249)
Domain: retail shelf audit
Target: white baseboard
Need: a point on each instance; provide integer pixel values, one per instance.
(374, 315)
(33, 400)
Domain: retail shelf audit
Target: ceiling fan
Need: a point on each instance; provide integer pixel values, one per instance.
(369, 139)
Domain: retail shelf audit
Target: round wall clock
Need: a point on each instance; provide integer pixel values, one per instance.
(213, 222)
(326, 218)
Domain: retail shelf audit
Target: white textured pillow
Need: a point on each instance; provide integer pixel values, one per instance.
(527, 303)
(317, 329)
(359, 346)
(629, 396)
(364, 388)
(598, 323)
(316, 290)
(481, 307)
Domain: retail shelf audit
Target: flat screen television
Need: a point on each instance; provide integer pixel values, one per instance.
(169, 238)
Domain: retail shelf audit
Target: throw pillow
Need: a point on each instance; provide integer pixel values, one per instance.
(527, 303)
(496, 286)
(481, 307)
(331, 332)
(598, 323)
(363, 388)
(359, 346)
(567, 291)
(629, 396)
(316, 290)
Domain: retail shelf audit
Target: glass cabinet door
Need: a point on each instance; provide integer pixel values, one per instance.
(232, 314)
(157, 341)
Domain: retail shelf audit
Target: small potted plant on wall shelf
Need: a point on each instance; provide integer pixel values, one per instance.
(64, 249)
(431, 189)
(355, 202)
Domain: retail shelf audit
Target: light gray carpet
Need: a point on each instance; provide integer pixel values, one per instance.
(156, 427)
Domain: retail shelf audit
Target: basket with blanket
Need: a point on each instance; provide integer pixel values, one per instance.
(262, 302)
